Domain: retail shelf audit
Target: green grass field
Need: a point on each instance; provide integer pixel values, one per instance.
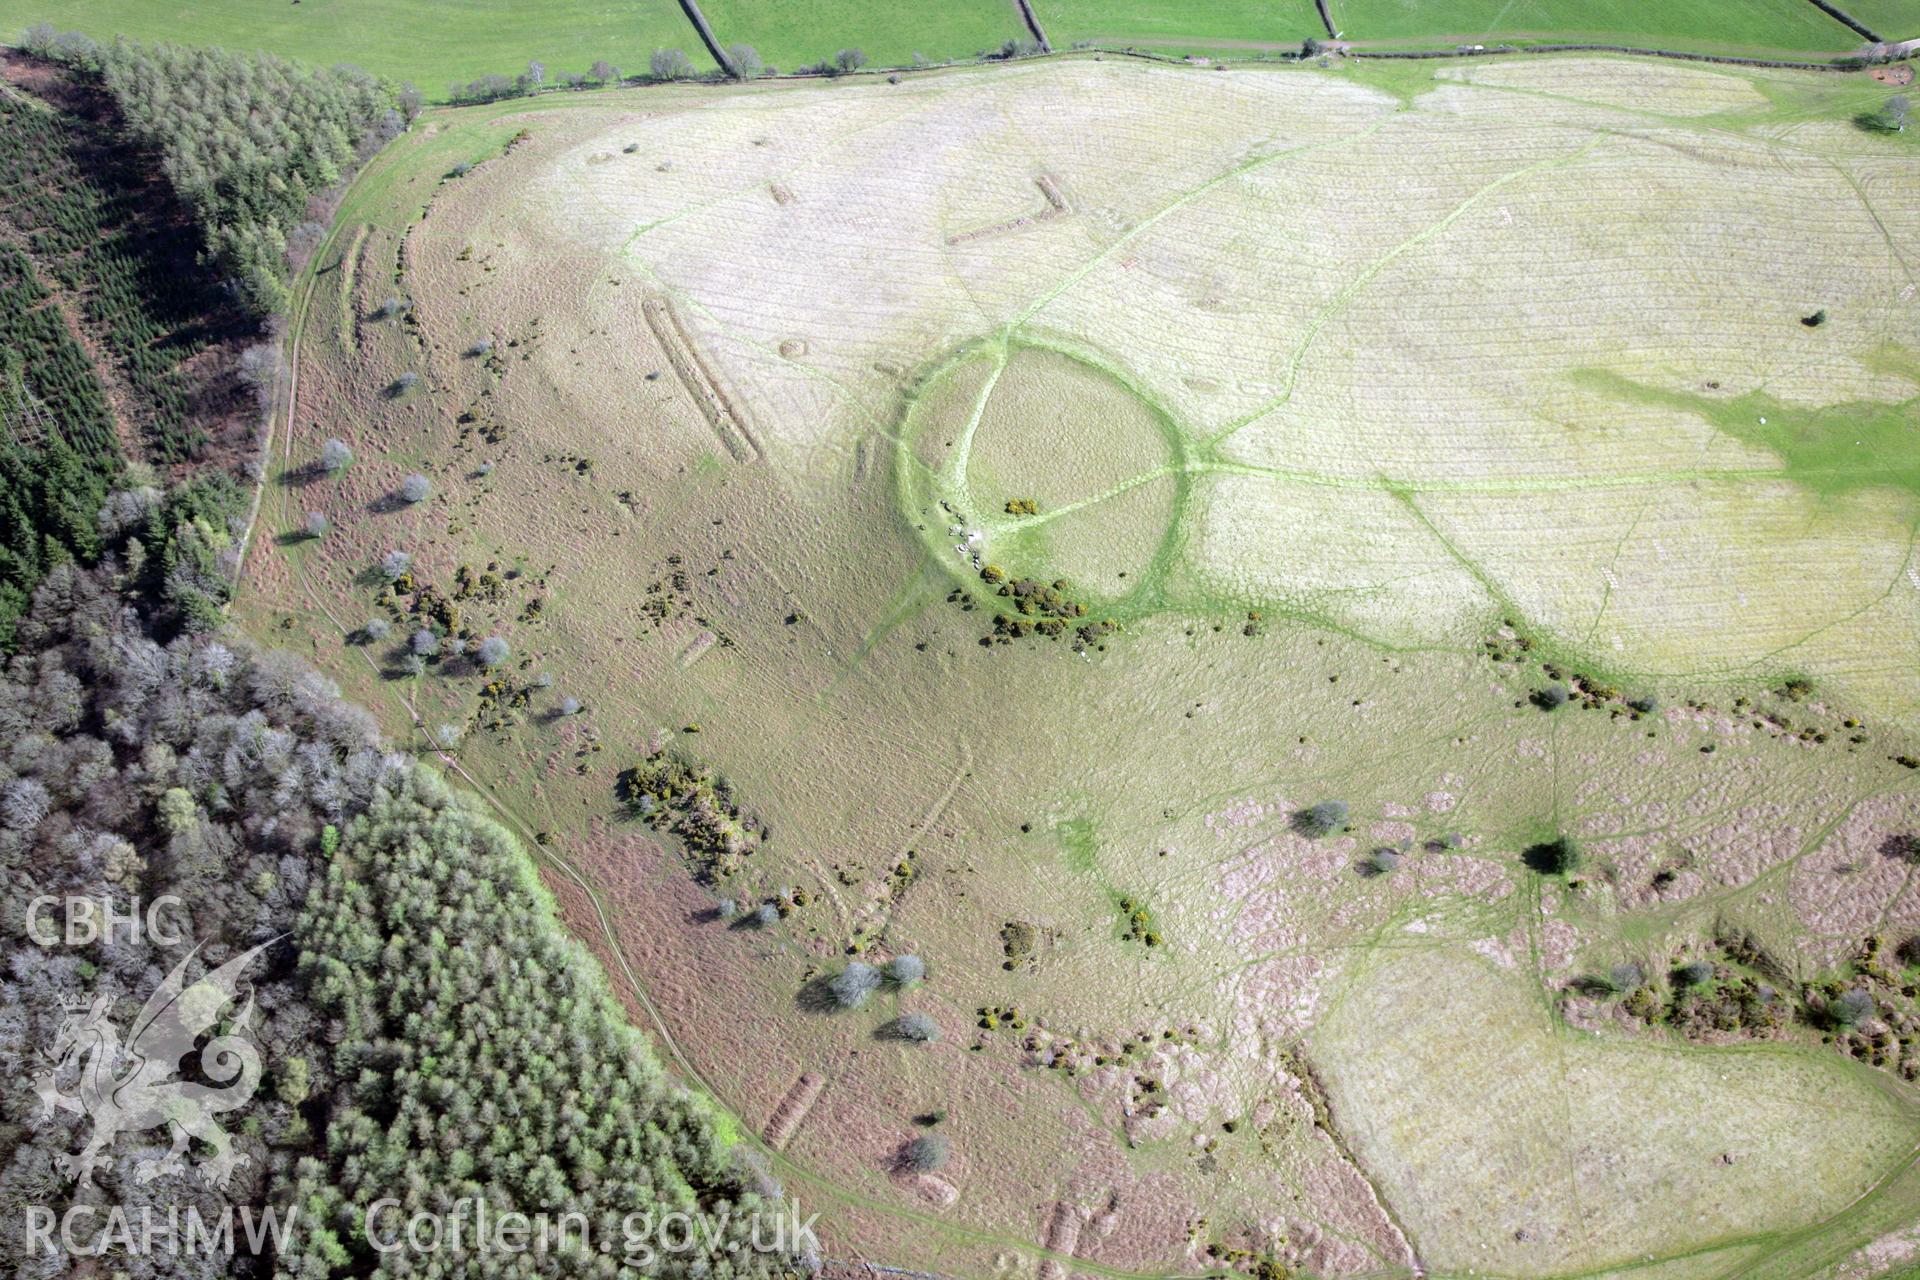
(795, 33)
(1779, 26)
(1888, 19)
(430, 44)
(437, 45)
(1180, 25)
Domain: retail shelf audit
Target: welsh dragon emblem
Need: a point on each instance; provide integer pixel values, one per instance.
(133, 1087)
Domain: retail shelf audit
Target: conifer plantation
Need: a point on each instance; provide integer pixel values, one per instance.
(246, 140)
(482, 1055)
(430, 1033)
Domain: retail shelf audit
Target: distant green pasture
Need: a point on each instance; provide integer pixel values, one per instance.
(430, 42)
(792, 33)
(1888, 19)
(1716, 26)
(1180, 25)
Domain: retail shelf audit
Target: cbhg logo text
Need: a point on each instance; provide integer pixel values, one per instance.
(91, 920)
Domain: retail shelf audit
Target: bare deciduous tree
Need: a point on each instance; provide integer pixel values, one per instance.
(853, 984)
(1322, 819)
(915, 1026)
(746, 60)
(670, 64)
(906, 969)
(925, 1153)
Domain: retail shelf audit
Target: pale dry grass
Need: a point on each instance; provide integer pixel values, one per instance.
(1375, 322)
(1603, 1147)
(1375, 316)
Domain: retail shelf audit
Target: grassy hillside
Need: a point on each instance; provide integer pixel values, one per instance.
(795, 33)
(752, 420)
(1180, 25)
(1779, 26)
(430, 44)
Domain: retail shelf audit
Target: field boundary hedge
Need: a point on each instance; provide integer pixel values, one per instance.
(1033, 25)
(1841, 15)
(705, 31)
(1850, 63)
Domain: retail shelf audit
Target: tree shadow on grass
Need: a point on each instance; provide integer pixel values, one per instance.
(300, 477)
(1902, 846)
(817, 996)
(1555, 857)
(1382, 861)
